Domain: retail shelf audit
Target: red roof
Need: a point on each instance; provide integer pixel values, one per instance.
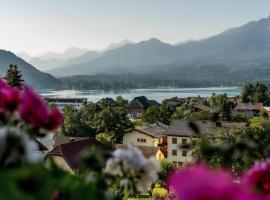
(70, 151)
(249, 107)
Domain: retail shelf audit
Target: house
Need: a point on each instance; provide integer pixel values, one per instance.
(139, 105)
(47, 141)
(267, 109)
(180, 133)
(62, 102)
(66, 155)
(201, 107)
(108, 102)
(249, 109)
(147, 151)
(174, 101)
(148, 135)
(66, 139)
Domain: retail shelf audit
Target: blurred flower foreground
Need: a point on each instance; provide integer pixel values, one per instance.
(24, 117)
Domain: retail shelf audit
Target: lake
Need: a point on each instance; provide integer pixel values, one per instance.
(156, 94)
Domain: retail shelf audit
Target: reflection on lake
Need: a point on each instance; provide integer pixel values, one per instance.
(157, 94)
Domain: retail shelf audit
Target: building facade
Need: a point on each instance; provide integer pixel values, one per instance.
(180, 133)
(62, 102)
(149, 135)
(179, 156)
(138, 105)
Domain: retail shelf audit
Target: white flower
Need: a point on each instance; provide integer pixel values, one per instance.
(130, 165)
(16, 147)
(149, 176)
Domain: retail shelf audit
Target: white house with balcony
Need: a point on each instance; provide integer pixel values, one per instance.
(180, 133)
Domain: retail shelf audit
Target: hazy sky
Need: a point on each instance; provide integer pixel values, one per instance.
(36, 26)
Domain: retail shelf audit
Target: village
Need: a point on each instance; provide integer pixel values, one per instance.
(164, 139)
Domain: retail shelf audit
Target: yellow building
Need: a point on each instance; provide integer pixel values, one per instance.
(149, 135)
(147, 151)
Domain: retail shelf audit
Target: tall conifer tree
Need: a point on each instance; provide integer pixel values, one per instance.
(14, 76)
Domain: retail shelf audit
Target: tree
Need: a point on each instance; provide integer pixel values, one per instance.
(236, 149)
(257, 93)
(238, 117)
(166, 113)
(166, 168)
(263, 114)
(151, 115)
(70, 126)
(14, 76)
(121, 101)
(105, 138)
(201, 115)
(261, 93)
(88, 119)
(221, 105)
(114, 121)
(247, 93)
(179, 113)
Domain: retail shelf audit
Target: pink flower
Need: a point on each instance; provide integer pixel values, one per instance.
(3, 83)
(201, 183)
(9, 97)
(258, 178)
(55, 119)
(34, 111)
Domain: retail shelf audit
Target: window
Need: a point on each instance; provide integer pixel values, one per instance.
(174, 152)
(194, 142)
(138, 139)
(180, 164)
(174, 140)
(184, 141)
(142, 140)
(184, 153)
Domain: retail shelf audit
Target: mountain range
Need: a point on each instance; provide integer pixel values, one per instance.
(237, 52)
(234, 56)
(71, 56)
(31, 75)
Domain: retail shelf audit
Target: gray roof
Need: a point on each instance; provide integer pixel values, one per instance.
(153, 130)
(182, 128)
(202, 107)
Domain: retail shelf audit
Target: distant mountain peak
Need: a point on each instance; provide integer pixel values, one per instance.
(117, 45)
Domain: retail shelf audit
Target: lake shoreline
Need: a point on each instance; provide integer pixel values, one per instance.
(158, 94)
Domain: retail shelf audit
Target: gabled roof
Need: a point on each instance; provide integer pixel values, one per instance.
(147, 151)
(65, 139)
(153, 103)
(248, 107)
(70, 151)
(143, 102)
(154, 130)
(182, 128)
(109, 101)
(201, 107)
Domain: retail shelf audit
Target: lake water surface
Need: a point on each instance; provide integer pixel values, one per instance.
(156, 94)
